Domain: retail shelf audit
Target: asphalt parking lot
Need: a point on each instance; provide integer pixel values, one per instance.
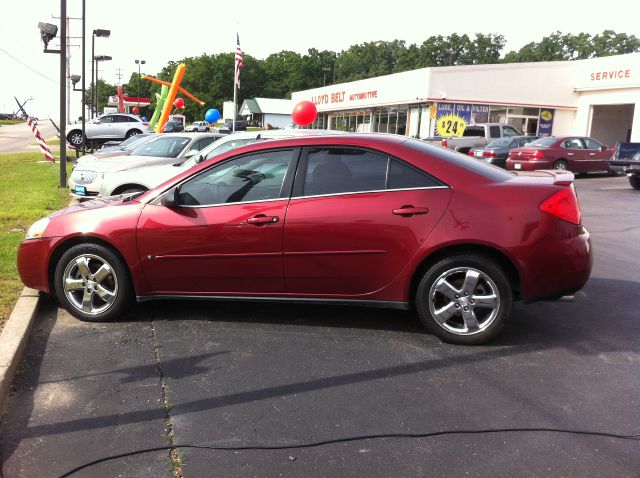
(234, 374)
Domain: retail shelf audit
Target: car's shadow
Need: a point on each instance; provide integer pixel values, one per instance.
(601, 318)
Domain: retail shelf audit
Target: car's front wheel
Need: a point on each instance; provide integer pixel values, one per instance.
(133, 132)
(92, 283)
(464, 299)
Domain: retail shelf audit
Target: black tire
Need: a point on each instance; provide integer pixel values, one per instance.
(133, 132)
(635, 181)
(115, 281)
(561, 165)
(75, 138)
(492, 281)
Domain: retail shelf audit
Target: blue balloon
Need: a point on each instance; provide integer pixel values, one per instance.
(212, 116)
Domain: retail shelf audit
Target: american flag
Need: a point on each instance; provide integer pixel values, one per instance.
(239, 63)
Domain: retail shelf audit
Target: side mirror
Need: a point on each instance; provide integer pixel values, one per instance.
(603, 147)
(171, 198)
(199, 159)
(191, 153)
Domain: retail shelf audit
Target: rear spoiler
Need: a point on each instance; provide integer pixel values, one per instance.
(561, 178)
(553, 176)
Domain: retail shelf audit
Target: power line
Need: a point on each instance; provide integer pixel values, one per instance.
(26, 66)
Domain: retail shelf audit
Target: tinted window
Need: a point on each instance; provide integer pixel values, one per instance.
(543, 142)
(460, 160)
(510, 131)
(256, 177)
(342, 170)
(123, 119)
(592, 143)
(403, 176)
(573, 143)
(474, 131)
(525, 141)
(494, 131)
(202, 143)
(165, 146)
(500, 143)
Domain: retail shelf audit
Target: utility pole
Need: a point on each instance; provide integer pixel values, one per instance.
(63, 99)
(119, 75)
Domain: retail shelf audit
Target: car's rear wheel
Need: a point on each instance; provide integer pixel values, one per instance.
(634, 180)
(75, 138)
(133, 132)
(464, 299)
(560, 165)
(92, 283)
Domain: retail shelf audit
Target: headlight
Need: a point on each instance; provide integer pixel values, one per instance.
(37, 228)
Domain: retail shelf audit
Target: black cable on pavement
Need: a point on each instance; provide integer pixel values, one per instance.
(356, 438)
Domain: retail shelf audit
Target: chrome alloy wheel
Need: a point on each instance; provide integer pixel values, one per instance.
(90, 284)
(76, 139)
(464, 301)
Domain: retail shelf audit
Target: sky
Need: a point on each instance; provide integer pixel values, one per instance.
(159, 31)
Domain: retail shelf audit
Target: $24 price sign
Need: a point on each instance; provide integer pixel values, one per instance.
(450, 125)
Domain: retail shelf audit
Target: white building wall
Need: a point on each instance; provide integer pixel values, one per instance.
(277, 121)
(563, 122)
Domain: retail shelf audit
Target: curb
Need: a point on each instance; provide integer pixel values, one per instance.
(14, 338)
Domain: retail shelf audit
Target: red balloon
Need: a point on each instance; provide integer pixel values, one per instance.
(178, 103)
(304, 113)
(135, 110)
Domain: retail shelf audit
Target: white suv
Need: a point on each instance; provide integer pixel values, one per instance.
(198, 126)
(107, 127)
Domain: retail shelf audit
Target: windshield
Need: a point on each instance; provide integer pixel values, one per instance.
(500, 143)
(542, 143)
(165, 147)
(135, 141)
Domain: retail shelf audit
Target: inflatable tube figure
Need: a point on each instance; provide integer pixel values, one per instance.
(161, 98)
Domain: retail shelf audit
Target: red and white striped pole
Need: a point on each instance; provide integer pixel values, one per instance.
(41, 142)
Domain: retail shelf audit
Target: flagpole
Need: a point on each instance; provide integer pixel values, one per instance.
(235, 97)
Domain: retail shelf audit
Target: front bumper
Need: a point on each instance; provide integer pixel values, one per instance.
(33, 261)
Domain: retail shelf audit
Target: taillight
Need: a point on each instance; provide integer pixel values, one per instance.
(444, 143)
(471, 152)
(145, 123)
(489, 154)
(563, 205)
(537, 155)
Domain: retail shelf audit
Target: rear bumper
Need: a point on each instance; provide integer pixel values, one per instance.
(561, 266)
(528, 165)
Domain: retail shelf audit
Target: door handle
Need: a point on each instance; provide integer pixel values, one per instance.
(410, 211)
(261, 219)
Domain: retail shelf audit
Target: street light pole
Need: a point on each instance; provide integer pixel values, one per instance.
(139, 62)
(99, 32)
(84, 99)
(63, 93)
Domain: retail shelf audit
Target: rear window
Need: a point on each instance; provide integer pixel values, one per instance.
(481, 168)
(500, 143)
(473, 131)
(542, 143)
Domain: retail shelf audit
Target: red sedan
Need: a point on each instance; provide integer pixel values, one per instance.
(373, 220)
(572, 153)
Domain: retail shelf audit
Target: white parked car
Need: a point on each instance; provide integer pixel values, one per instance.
(107, 127)
(123, 149)
(87, 177)
(134, 180)
(198, 127)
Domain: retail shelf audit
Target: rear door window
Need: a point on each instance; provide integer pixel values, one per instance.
(494, 132)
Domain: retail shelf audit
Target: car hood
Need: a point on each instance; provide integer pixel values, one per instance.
(95, 204)
(122, 163)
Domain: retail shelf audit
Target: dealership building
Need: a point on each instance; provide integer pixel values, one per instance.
(598, 97)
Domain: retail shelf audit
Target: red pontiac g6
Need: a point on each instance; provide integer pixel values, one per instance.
(377, 220)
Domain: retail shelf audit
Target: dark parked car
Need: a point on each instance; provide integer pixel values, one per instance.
(173, 127)
(626, 159)
(573, 153)
(227, 127)
(497, 151)
(374, 220)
